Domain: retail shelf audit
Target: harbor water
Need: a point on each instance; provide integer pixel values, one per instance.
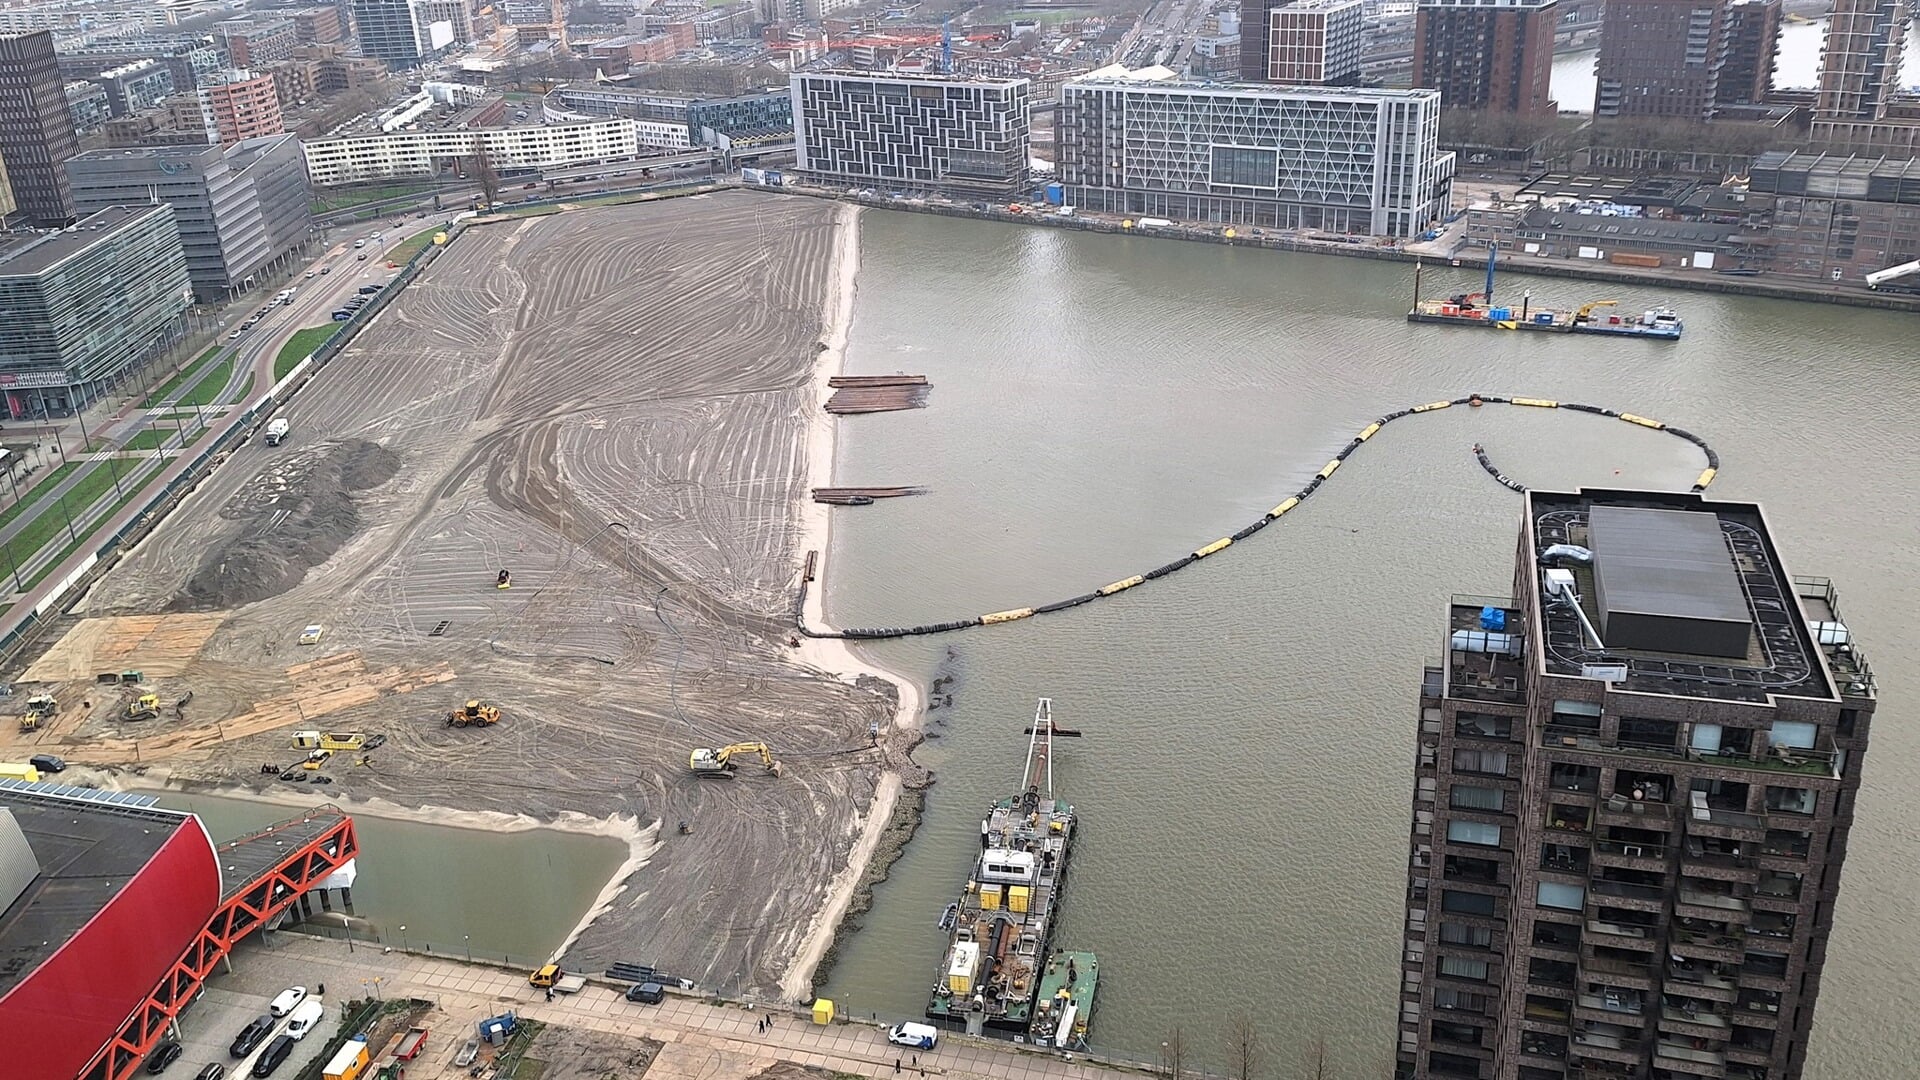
(493, 895)
(1102, 405)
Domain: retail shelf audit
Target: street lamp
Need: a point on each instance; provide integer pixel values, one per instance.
(403, 937)
(468, 942)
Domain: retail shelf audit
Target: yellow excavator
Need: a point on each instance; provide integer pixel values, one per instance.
(144, 707)
(720, 765)
(474, 714)
(1585, 313)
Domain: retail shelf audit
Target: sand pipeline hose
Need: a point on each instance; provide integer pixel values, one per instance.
(1271, 516)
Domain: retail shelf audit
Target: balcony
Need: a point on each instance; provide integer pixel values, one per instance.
(1711, 821)
(1701, 980)
(1710, 905)
(1718, 863)
(1706, 945)
(1484, 665)
(1684, 1057)
(1432, 687)
(1623, 935)
(1822, 604)
(1630, 855)
(1694, 1022)
(1615, 1046)
(1627, 895)
(1613, 1002)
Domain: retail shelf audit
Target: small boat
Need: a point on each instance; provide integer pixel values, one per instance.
(467, 1053)
(952, 913)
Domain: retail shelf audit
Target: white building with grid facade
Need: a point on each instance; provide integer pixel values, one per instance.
(1348, 161)
(358, 159)
(912, 132)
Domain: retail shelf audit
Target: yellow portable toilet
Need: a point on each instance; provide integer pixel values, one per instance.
(1017, 898)
(822, 1011)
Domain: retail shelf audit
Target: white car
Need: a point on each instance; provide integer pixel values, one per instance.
(289, 1000)
(918, 1036)
(304, 1017)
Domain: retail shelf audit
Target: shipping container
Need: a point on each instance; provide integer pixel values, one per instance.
(349, 1062)
(19, 770)
(1625, 258)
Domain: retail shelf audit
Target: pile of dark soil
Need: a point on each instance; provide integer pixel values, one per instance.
(299, 512)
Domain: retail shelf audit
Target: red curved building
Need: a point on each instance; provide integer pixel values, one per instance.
(113, 910)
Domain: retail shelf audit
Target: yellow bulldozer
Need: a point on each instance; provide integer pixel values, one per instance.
(719, 763)
(144, 707)
(40, 709)
(474, 714)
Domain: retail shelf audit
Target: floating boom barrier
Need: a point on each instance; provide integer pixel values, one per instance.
(1291, 503)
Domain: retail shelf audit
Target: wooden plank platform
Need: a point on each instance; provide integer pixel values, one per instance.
(876, 393)
(159, 645)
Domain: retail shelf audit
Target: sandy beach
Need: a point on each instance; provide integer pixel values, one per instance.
(833, 655)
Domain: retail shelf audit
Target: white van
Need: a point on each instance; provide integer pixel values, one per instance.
(918, 1036)
(304, 1017)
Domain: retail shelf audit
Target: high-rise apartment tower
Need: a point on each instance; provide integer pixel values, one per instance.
(36, 130)
(1633, 790)
(1494, 55)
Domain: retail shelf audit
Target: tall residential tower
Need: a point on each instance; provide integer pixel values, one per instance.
(1633, 790)
(1487, 54)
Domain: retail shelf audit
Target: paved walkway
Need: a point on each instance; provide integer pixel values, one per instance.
(720, 1042)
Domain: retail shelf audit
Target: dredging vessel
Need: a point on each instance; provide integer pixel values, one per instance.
(997, 976)
(1478, 310)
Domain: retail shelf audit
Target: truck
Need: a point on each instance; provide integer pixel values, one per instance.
(19, 770)
(414, 1041)
(329, 740)
(349, 1062)
(277, 430)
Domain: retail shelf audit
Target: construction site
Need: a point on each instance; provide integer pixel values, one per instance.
(531, 548)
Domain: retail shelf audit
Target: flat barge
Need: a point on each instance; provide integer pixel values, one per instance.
(1478, 310)
(997, 976)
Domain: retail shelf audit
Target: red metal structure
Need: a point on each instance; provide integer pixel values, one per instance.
(276, 866)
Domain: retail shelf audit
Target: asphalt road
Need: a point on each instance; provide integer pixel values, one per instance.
(313, 302)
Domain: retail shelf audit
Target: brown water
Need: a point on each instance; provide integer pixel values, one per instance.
(1102, 405)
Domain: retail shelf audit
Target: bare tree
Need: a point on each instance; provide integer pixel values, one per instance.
(1171, 1054)
(1316, 1060)
(1243, 1047)
(489, 178)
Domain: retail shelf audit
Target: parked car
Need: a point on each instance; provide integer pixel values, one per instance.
(214, 1071)
(163, 1055)
(302, 1019)
(918, 1036)
(648, 993)
(251, 1036)
(47, 763)
(289, 1000)
(275, 1053)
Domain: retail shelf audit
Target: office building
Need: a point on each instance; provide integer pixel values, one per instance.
(87, 107)
(1315, 43)
(1661, 59)
(454, 152)
(390, 31)
(135, 86)
(1752, 38)
(1839, 215)
(1861, 58)
(36, 130)
(230, 107)
(1633, 790)
(1349, 161)
(187, 59)
(82, 306)
(241, 210)
(316, 25)
(1495, 56)
(6, 193)
(257, 41)
(912, 132)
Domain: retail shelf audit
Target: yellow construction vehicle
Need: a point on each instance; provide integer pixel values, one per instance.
(474, 714)
(315, 759)
(1586, 310)
(40, 707)
(144, 707)
(719, 763)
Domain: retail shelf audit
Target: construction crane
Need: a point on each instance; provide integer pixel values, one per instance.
(719, 763)
(1585, 310)
(474, 714)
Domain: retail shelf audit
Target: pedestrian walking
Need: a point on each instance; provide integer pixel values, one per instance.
(896, 1064)
(916, 1059)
